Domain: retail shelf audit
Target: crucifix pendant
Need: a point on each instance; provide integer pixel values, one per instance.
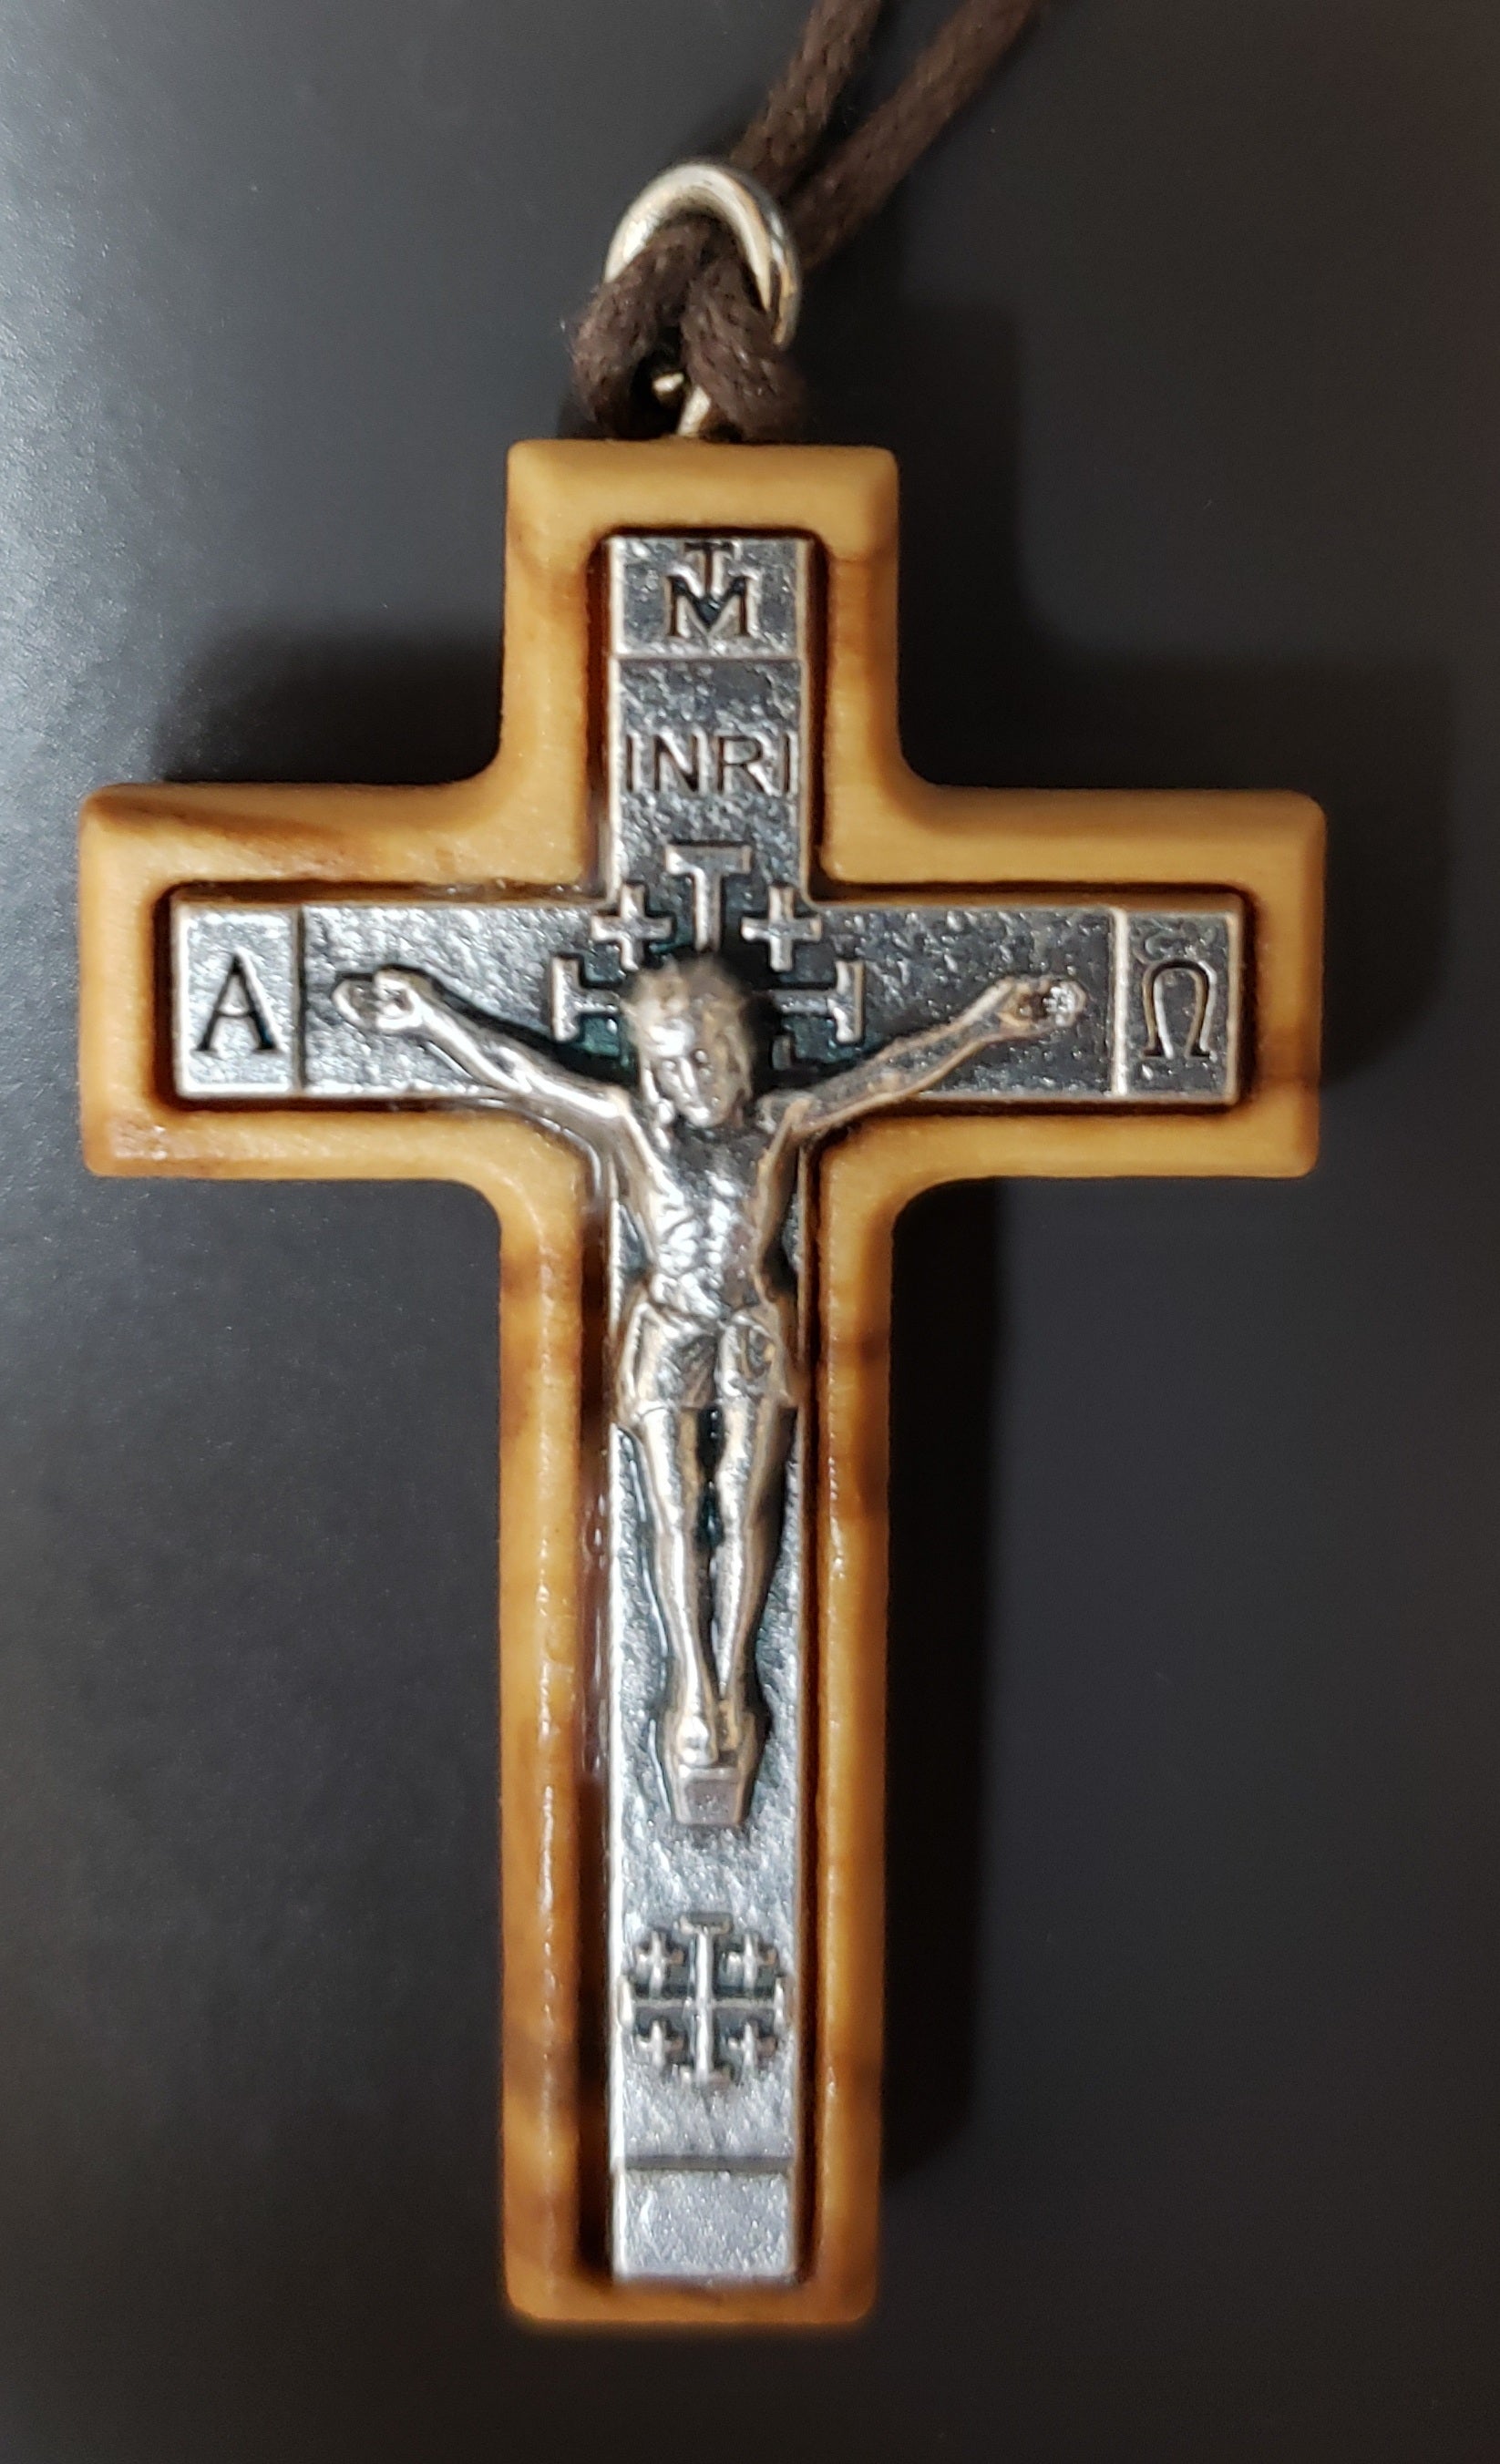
(699, 986)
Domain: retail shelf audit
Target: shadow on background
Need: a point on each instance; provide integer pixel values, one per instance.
(390, 714)
(988, 699)
(946, 1366)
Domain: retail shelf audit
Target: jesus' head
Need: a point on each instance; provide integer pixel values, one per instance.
(690, 1023)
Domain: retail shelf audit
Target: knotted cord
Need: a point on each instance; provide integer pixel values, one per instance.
(684, 301)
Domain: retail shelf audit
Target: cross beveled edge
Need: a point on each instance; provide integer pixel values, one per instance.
(524, 822)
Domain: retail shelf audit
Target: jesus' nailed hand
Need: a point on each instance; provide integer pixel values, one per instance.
(705, 1355)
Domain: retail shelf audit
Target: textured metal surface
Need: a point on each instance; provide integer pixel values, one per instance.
(697, 1026)
(669, 2211)
(708, 2223)
(708, 685)
(510, 961)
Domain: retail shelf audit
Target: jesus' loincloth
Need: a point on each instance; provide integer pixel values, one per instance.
(672, 1360)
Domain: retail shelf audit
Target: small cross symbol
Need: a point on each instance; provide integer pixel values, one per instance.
(629, 927)
(680, 2005)
(781, 928)
(658, 1960)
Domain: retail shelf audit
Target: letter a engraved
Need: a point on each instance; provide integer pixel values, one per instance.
(240, 1003)
(1159, 1045)
(711, 601)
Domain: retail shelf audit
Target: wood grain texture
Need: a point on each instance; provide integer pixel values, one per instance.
(526, 822)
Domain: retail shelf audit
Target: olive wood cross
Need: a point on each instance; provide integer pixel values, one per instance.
(521, 841)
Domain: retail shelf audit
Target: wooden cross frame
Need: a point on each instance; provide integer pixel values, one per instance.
(1195, 1055)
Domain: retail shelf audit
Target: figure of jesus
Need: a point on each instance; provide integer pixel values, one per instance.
(707, 1369)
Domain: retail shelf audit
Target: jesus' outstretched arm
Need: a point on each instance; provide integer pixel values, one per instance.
(1007, 1011)
(400, 1001)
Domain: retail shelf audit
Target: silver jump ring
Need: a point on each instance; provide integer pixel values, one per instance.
(761, 231)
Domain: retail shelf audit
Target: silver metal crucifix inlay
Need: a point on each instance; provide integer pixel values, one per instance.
(697, 1024)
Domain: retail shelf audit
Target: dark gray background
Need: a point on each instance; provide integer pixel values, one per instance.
(1189, 343)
